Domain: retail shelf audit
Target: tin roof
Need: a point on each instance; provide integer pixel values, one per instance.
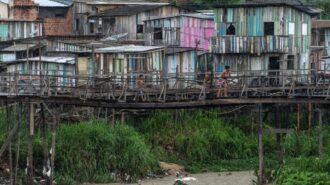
(51, 3)
(128, 49)
(297, 4)
(194, 15)
(127, 10)
(19, 47)
(59, 60)
(4, 1)
(124, 2)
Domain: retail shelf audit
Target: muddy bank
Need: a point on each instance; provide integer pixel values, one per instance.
(223, 178)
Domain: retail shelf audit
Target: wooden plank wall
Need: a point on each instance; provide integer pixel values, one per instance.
(327, 41)
(10, 30)
(128, 24)
(249, 21)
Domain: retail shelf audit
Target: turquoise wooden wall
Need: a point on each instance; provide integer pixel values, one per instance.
(249, 22)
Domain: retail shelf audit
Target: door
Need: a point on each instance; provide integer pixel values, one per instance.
(274, 67)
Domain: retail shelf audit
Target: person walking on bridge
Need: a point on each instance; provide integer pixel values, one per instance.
(223, 82)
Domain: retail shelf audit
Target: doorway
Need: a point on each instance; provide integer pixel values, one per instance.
(274, 67)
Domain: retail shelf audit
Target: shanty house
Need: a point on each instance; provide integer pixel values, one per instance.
(185, 30)
(25, 17)
(263, 35)
(62, 68)
(20, 51)
(82, 9)
(128, 61)
(130, 19)
(320, 53)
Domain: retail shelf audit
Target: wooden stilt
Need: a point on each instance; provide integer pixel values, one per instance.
(44, 139)
(8, 113)
(320, 135)
(261, 152)
(298, 117)
(122, 117)
(279, 135)
(52, 159)
(30, 175)
(18, 143)
(310, 116)
(113, 117)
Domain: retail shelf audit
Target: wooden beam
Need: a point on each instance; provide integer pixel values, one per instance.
(162, 105)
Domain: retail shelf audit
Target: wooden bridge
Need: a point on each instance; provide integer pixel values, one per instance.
(48, 92)
(171, 91)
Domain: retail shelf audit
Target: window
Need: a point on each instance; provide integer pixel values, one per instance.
(59, 15)
(139, 28)
(304, 29)
(291, 28)
(91, 27)
(158, 33)
(290, 63)
(77, 24)
(269, 28)
(231, 30)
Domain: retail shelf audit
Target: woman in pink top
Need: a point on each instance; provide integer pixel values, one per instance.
(222, 82)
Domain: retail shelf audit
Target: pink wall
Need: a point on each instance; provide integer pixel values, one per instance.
(193, 29)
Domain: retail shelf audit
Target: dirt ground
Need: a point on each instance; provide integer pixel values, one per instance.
(223, 178)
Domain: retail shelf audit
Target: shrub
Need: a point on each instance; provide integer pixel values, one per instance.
(96, 152)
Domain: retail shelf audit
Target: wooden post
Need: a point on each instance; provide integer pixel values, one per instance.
(122, 117)
(279, 135)
(9, 146)
(310, 118)
(261, 152)
(30, 145)
(298, 117)
(113, 117)
(320, 135)
(44, 139)
(52, 159)
(18, 143)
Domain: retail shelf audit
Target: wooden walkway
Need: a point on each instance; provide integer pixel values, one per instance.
(173, 91)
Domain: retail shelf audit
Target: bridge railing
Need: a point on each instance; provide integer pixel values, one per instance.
(161, 87)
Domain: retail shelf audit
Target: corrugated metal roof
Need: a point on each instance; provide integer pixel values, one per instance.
(50, 3)
(19, 47)
(297, 4)
(194, 15)
(4, 1)
(127, 10)
(59, 60)
(128, 49)
(321, 24)
(124, 2)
